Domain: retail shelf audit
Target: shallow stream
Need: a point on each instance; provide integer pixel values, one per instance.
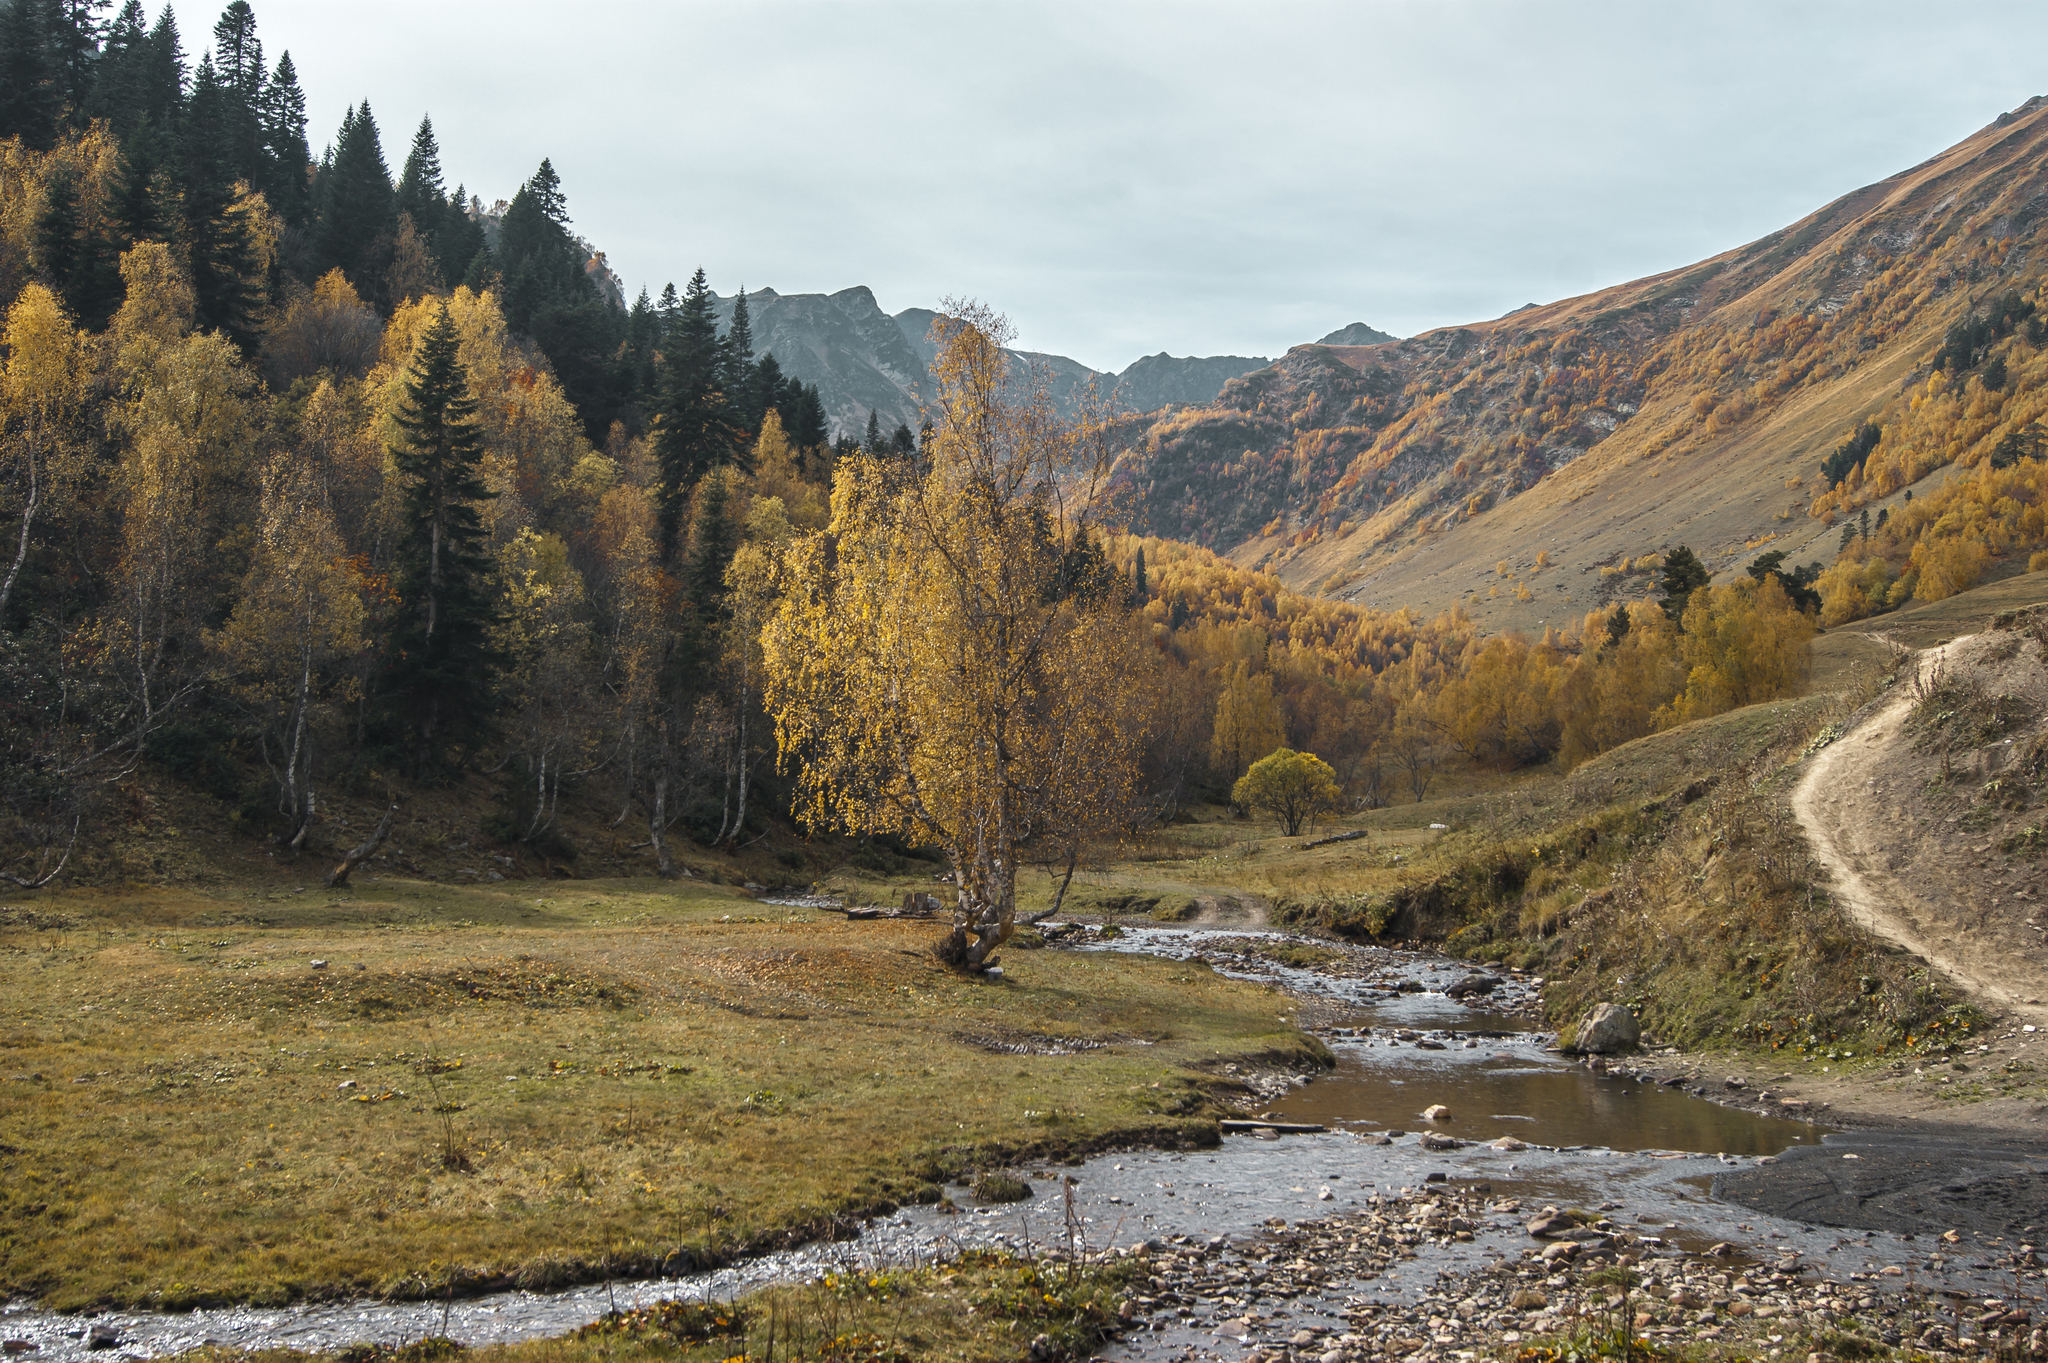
(1590, 1139)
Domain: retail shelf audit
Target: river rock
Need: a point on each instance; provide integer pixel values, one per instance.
(103, 1337)
(1608, 1030)
(1432, 1141)
(1510, 1143)
(1474, 985)
(1550, 1222)
(1435, 1112)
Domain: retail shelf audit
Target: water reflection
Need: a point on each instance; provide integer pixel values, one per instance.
(1508, 1092)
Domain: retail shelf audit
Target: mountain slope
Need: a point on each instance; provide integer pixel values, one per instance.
(1677, 408)
(864, 360)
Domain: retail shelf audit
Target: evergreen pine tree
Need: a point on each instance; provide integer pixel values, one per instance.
(766, 389)
(57, 233)
(807, 428)
(872, 443)
(1140, 588)
(696, 432)
(117, 76)
(356, 213)
(287, 158)
(30, 98)
(135, 215)
(443, 664)
(238, 65)
(161, 83)
(670, 311)
(739, 362)
(420, 191)
(215, 229)
(903, 443)
(75, 36)
(460, 238)
(1684, 574)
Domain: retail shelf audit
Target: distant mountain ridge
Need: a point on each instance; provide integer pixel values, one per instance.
(1567, 442)
(1358, 333)
(864, 360)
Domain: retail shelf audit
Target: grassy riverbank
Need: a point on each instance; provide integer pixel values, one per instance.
(535, 1082)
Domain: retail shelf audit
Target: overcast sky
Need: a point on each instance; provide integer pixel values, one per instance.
(1200, 179)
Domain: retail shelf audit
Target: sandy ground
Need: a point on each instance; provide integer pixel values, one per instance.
(1908, 865)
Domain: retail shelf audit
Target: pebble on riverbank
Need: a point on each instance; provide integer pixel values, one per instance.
(1586, 1271)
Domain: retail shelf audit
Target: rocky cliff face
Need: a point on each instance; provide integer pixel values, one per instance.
(1358, 333)
(862, 359)
(844, 343)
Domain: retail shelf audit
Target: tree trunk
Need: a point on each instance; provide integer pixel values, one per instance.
(355, 858)
(28, 516)
(657, 828)
(1060, 895)
(37, 882)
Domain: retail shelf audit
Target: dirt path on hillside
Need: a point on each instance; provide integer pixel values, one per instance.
(1909, 873)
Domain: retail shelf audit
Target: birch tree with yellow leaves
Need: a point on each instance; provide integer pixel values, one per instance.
(947, 655)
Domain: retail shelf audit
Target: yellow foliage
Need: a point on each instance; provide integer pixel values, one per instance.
(1745, 642)
(1248, 721)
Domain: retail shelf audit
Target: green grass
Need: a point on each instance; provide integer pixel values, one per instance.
(978, 1307)
(547, 1081)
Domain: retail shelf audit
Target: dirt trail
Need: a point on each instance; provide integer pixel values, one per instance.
(1856, 814)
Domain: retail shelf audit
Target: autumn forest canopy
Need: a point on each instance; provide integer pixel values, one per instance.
(322, 482)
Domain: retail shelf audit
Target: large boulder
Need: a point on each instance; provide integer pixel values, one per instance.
(1610, 1029)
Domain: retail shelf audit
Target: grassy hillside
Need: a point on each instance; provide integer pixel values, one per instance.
(1693, 406)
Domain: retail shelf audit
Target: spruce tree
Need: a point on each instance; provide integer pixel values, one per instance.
(238, 65)
(739, 362)
(29, 94)
(1140, 588)
(460, 238)
(215, 229)
(443, 663)
(420, 191)
(696, 432)
(75, 35)
(117, 76)
(1684, 574)
(807, 428)
(356, 213)
(872, 442)
(161, 83)
(287, 158)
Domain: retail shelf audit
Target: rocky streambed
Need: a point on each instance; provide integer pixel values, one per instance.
(1404, 1227)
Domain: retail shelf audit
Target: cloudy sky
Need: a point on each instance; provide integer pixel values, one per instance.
(1196, 178)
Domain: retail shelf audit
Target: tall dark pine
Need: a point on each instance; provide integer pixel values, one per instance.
(216, 231)
(1684, 574)
(460, 239)
(288, 161)
(75, 34)
(420, 191)
(356, 212)
(162, 83)
(696, 432)
(872, 443)
(443, 663)
(30, 97)
(739, 362)
(117, 75)
(238, 65)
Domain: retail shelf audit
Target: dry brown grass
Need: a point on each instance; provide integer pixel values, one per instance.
(530, 1083)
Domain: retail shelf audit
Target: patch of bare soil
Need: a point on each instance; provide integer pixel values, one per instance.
(1929, 815)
